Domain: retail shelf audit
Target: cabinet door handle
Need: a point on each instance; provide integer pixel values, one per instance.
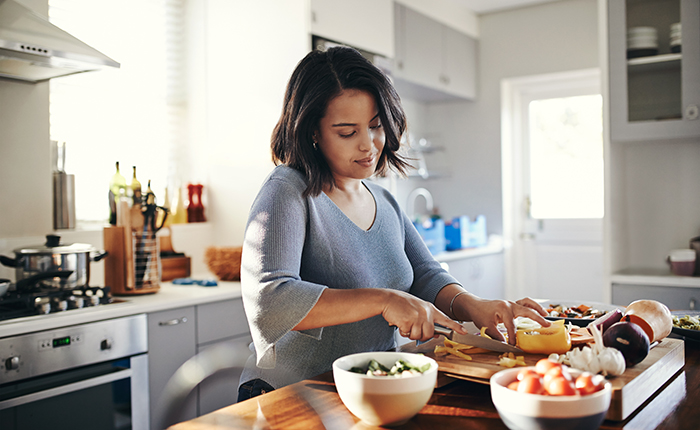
(691, 112)
(691, 304)
(175, 321)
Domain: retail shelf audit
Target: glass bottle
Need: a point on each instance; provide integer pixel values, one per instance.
(117, 190)
(135, 189)
(178, 211)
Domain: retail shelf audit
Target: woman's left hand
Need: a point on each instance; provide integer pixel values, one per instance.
(489, 313)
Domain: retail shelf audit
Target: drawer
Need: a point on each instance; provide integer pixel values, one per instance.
(220, 320)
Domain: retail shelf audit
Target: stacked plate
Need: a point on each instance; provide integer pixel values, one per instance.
(675, 37)
(642, 42)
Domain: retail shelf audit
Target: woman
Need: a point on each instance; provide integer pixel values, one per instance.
(331, 265)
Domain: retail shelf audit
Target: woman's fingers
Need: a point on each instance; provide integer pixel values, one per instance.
(416, 318)
(533, 310)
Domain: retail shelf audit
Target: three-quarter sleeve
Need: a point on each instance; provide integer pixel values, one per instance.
(274, 296)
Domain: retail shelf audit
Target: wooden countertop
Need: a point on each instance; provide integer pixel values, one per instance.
(314, 404)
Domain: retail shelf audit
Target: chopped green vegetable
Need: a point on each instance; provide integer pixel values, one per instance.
(400, 368)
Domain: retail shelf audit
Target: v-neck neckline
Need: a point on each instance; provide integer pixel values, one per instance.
(374, 224)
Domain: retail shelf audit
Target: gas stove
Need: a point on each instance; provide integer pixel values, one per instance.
(42, 301)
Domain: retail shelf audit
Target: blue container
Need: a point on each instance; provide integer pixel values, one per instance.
(433, 233)
(462, 233)
(457, 233)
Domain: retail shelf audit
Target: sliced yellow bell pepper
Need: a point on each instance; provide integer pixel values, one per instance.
(544, 340)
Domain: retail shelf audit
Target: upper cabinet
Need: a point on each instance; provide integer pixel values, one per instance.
(654, 67)
(433, 61)
(366, 24)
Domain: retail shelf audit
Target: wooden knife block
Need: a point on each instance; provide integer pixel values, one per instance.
(120, 264)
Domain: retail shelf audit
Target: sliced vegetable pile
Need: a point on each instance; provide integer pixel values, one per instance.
(580, 311)
(687, 322)
(401, 368)
(457, 349)
(554, 379)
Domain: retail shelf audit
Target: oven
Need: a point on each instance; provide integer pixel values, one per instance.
(85, 376)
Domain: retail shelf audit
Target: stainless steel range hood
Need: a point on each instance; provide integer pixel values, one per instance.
(32, 49)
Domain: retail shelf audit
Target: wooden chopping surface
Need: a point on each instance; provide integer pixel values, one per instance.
(630, 390)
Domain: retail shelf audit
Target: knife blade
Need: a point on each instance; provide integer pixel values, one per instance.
(477, 340)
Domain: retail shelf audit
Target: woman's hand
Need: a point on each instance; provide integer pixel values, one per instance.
(489, 313)
(415, 318)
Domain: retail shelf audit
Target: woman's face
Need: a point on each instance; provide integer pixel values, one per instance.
(350, 135)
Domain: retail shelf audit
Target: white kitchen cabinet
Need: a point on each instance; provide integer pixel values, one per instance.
(433, 62)
(171, 342)
(652, 183)
(654, 97)
(221, 323)
(364, 24)
(176, 335)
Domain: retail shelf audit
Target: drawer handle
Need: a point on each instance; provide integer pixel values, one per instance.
(176, 321)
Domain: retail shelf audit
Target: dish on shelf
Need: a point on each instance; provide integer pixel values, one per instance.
(583, 321)
(684, 332)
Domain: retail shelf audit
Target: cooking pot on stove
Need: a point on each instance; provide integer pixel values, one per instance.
(55, 256)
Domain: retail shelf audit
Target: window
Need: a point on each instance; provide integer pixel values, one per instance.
(135, 115)
(566, 157)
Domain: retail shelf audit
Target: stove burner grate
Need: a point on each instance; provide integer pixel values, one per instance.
(41, 300)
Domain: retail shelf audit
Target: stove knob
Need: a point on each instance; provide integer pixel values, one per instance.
(12, 363)
(106, 344)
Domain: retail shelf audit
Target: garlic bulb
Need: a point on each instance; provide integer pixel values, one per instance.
(598, 358)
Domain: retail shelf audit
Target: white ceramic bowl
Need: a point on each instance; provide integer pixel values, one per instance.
(523, 411)
(384, 400)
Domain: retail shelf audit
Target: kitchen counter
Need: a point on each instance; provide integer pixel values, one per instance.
(168, 297)
(314, 404)
(493, 246)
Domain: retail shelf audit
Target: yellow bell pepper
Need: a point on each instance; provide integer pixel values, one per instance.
(544, 340)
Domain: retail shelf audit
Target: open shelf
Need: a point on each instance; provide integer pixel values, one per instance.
(654, 63)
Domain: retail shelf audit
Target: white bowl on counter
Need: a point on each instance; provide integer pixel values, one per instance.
(524, 411)
(384, 400)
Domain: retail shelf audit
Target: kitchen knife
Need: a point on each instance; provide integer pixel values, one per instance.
(477, 340)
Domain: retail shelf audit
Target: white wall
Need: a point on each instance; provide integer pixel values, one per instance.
(252, 48)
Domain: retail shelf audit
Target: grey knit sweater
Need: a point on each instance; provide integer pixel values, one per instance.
(296, 247)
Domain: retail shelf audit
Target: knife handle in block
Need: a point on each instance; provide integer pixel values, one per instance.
(124, 220)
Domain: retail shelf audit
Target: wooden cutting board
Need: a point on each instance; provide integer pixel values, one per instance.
(630, 390)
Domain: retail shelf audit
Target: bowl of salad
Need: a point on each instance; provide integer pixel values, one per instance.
(385, 388)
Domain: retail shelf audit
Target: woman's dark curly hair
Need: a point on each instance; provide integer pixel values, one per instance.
(317, 79)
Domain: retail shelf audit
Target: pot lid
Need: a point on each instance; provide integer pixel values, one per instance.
(53, 245)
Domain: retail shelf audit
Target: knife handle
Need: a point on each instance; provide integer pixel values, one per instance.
(443, 331)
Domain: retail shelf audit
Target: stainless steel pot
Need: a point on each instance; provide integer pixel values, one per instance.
(55, 256)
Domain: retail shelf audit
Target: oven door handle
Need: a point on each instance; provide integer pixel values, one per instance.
(65, 389)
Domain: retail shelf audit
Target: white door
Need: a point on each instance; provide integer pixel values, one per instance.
(553, 186)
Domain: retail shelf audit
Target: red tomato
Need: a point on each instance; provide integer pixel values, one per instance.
(560, 386)
(531, 384)
(556, 372)
(513, 385)
(525, 372)
(585, 385)
(544, 365)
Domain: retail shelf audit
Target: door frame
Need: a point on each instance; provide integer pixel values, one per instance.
(514, 92)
